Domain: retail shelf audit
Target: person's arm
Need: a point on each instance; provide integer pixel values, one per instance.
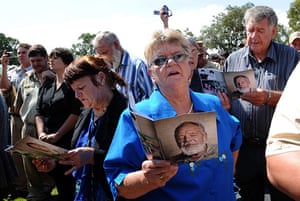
(260, 97)
(225, 100)
(44, 165)
(272, 97)
(64, 129)
(284, 172)
(154, 174)
(77, 158)
(235, 157)
(39, 126)
(19, 99)
(5, 83)
(164, 18)
(67, 126)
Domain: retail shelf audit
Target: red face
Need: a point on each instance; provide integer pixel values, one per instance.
(259, 36)
(296, 44)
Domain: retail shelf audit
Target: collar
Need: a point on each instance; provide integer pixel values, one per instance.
(160, 107)
(271, 53)
(124, 61)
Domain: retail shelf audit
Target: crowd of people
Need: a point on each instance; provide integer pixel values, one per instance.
(84, 105)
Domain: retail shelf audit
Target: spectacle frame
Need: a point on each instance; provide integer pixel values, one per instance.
(162, 61)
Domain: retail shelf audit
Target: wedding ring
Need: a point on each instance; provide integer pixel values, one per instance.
(161, 177)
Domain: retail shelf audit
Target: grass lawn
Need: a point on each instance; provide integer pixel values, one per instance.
(54, 192)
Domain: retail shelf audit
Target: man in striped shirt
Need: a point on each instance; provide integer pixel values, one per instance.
(132, 69)
(272, 64)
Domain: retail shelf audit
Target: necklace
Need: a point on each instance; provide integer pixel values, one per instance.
(191, 109)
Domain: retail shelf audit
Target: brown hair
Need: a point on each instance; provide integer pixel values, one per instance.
(24, 45)
(64, 53)
(90, 66)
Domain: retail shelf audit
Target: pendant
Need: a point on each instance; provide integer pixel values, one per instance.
(192, 166)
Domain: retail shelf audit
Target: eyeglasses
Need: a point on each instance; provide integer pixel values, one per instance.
(161, 61)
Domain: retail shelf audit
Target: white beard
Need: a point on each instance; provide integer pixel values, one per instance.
(244, 90)
(193, 148)
(117, 58)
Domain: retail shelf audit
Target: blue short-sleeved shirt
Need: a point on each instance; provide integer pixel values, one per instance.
(211, 179)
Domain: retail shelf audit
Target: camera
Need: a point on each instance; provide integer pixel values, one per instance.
(9, 54)
(166, 11)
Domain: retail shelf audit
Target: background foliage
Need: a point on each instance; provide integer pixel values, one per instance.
(225, 33)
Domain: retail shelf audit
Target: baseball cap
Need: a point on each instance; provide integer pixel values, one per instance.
(294, 36)
(201, 47)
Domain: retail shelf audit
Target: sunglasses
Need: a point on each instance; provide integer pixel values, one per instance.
(161, 61)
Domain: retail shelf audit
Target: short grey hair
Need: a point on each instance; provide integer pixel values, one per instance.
(259, 13)
(107, 36)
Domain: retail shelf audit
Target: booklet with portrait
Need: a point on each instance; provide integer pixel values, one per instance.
(179, 139)
(35, 148)
(232, 83)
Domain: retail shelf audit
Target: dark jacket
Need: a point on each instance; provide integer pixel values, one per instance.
(104, 135)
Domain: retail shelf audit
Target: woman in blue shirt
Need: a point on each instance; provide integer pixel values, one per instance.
(131, 175)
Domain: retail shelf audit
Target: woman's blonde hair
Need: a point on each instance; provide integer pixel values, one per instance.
(165, 36)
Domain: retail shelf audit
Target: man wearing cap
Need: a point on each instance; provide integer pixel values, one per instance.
(294, 40)
(202, 58)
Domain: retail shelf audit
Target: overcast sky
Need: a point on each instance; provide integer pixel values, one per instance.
(59, 23)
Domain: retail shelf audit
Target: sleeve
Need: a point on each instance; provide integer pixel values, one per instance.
(237, 134)
(19, 99)
(76, 104)
(39, 102)
(143, 80)
(284, 133)
(230, 126)
(125, 154)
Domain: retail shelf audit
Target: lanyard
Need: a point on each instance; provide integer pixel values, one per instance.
(92, 130)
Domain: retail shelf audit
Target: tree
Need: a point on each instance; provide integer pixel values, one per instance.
(187, 32)
(226, 32)
(293, 15)
(84, 45)
(9, 44)
(282, 34)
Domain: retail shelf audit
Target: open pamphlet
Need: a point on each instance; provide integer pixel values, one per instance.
(179, 139)
(35, 148)
(232, 83)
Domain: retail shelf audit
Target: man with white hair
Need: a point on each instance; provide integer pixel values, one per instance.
(132, 69)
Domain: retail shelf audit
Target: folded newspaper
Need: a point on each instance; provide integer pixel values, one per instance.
(35, 148)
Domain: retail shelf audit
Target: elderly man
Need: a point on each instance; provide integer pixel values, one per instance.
(191, 138)
(272, 64)
(132, 69)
